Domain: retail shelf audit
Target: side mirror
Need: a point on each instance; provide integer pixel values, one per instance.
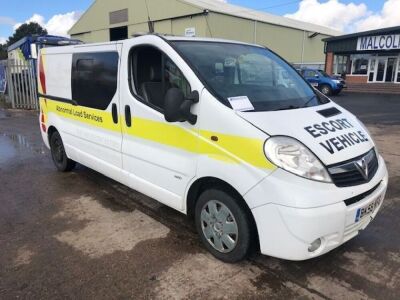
(177, 108)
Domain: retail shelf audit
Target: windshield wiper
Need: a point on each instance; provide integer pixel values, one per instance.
(287, 107)
(296, 107)
(308, 102)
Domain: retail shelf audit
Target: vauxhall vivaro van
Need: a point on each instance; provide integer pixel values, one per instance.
(225, 132)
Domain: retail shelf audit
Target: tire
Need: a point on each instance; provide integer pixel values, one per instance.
(326, 90)
(60, 159)
(224, 225)
(337, 92)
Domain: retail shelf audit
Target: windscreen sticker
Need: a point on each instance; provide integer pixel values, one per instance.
(340, 142)
(241, 103)
(230, 62)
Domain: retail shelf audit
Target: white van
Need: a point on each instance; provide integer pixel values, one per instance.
(212, 129)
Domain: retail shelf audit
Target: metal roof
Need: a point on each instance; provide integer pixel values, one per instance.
(388, 30)
(238, 11)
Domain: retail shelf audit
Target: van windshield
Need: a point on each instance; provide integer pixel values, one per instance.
(234, 70)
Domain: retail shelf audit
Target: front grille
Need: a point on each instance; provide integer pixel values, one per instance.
(358, 198)
(356, 171)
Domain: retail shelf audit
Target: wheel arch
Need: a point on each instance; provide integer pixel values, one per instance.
(205, 183)
(50, 132)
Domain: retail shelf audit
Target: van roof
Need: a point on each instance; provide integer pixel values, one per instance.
(200, 39)
(165, 37)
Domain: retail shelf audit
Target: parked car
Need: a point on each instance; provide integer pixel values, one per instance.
(225, 132)
(326, 84)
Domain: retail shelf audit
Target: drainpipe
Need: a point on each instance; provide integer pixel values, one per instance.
(255, 32)
(302, 48)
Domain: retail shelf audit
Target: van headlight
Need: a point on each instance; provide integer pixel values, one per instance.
(292, 156)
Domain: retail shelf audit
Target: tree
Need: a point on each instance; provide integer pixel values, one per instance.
(24, 30)
(3, 51)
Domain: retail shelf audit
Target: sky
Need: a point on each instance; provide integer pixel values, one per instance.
(343, 15)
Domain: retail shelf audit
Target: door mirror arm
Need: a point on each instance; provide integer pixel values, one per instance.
(193, 98)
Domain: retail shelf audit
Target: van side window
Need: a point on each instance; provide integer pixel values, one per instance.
(94, 78)
(152, 73)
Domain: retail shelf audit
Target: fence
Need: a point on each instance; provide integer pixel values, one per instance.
(21, 84)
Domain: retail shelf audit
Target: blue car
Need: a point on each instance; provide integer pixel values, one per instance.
(326, 84)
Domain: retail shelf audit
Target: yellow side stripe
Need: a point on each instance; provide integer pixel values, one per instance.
(250, 150)
(90, 116)
(228, 148)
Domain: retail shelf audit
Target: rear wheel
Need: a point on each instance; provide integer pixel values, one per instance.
(224, 225)
(326, 90)
(60, 159)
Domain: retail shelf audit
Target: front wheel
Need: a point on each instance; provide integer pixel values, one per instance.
(60, 159)
(224, 225)
(326, 90)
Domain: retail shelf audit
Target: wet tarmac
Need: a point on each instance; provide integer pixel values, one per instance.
(82, 235)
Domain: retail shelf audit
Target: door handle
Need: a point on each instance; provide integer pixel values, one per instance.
(114, 113)
(128, 116)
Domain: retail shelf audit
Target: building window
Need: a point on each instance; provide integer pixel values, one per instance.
(359, 64)
(372, 69)
(340, 64)
(118, 33)
(398, 70)
(94, 78)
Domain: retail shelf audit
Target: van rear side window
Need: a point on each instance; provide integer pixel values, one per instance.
(94, 78)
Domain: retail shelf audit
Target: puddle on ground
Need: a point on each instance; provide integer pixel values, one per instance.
(7, 150)
(9, 143)
(4, 114)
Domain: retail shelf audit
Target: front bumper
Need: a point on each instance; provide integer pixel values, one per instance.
(338, 88)
(286, 230)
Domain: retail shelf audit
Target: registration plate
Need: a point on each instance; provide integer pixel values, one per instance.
(368, 209)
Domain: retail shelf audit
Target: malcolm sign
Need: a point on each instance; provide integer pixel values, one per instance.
(379, 42)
